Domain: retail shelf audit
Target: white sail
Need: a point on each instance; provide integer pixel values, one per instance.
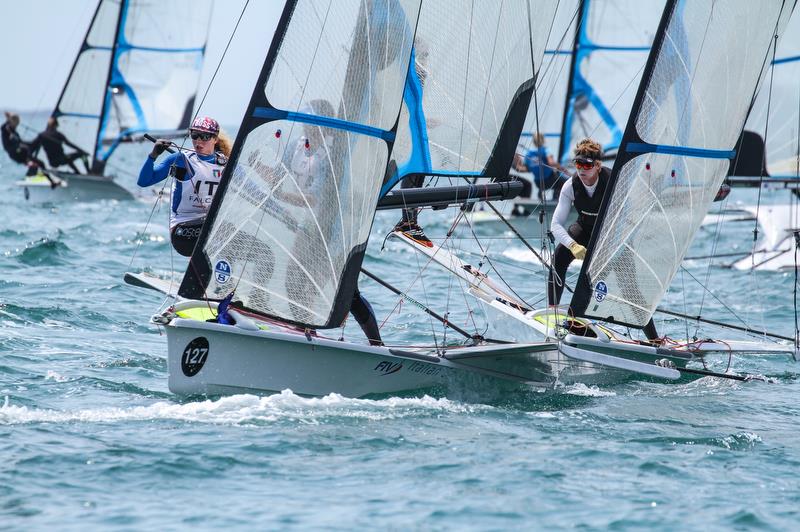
(138, 70)
(783, 101)
(289, 225)
(474, 67)
(691, 107)
(610, 51)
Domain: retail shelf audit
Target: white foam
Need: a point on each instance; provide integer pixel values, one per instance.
(242, 409)
(587, 391)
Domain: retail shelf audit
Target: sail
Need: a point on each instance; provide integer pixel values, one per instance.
(138, 70)
(610, 50)
(783, 102)
(287, 231)
(691, 106)
(553, 77)
(469, 87)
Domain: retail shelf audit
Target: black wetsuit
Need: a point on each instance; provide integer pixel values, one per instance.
(365, 316)
(52, 141)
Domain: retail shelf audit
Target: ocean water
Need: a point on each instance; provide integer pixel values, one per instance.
(91, 438)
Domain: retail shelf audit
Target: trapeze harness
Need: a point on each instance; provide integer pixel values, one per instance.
(193, 190)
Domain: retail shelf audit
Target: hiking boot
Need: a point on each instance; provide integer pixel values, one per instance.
(414, 232)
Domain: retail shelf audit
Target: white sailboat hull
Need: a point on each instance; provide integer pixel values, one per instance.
(208, 358)
(72, 187)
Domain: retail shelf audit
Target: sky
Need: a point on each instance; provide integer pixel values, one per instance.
(41, 38)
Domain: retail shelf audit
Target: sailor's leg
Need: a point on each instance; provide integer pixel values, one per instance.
(365, 316)
(184, 237)
(555, 283)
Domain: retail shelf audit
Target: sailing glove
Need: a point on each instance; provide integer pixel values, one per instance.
(159, 147)
(577, 250)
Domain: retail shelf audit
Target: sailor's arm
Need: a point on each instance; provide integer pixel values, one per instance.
(561, 214)
(152, 173)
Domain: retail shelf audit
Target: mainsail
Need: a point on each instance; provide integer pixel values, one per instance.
(137, 70)
(780, 94)
(696, 90)
(610, 50)
(469, 87)
(287, 231)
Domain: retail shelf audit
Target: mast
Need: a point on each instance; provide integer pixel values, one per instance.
(566, 117)
(97, 165)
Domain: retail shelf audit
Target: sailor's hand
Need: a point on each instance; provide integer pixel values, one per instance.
(159, 147)
(577, 250)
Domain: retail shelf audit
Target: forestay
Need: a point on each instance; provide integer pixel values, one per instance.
(138, 70)
(469, 88)
(692, 103)
(288, 228)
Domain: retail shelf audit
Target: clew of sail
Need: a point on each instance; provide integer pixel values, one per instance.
(468, 87)
(138, 70)
(288, 228)
(700, 79)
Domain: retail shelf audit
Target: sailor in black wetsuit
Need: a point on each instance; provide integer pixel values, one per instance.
(52, 141)
(18, 150)
(585, 191)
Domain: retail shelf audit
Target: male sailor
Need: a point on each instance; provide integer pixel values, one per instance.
(543, 167)
(18, 150)
(196, 178)
(585, 192)
(52, 141)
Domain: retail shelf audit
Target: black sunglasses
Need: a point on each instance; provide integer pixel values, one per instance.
(197, 135)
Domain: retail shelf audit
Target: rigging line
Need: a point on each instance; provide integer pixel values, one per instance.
(462, 286)
(427, 310)
(491, 265)
(219, 63)
(464, 100)
(766, 137)
(727, 307)
(516, 233)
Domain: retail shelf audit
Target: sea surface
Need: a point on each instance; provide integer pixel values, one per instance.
(91, 438)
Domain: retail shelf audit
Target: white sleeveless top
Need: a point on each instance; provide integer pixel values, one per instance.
(195, 191)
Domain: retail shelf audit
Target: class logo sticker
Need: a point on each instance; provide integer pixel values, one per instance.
(194, 356)
(600, 291)
(222, 272)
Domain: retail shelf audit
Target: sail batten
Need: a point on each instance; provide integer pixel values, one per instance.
(696, 90)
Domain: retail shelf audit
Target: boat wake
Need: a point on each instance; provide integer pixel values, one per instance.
(248, 410)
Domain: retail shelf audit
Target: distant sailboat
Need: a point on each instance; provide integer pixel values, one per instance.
(132, 75)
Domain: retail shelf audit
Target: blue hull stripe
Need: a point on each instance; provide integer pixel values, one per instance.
(643, 147)
(324, 121)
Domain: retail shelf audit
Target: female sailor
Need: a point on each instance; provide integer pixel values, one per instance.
(196, 178)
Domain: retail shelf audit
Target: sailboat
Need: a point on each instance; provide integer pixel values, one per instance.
(137, 71)
(690, 108)
(279, 256)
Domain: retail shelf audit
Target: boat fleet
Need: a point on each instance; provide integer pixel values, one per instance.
(450, 94)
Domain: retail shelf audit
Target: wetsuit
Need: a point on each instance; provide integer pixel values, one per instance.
(52, 141)
(587, 201)
(196, 180)
(18, 151)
